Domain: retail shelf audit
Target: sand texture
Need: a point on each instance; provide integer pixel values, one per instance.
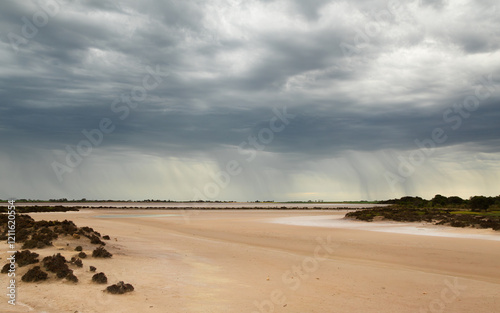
(261, 261)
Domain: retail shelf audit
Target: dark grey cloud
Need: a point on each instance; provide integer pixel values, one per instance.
(229, 63)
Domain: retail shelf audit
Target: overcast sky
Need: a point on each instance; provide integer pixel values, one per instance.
(249, 100)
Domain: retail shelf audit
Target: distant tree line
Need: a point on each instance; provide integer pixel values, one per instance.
(475, 203)
(63, 200)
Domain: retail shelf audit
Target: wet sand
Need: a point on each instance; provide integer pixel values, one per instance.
(250, 261)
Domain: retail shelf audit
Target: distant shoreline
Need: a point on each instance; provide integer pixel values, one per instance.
(201, 205)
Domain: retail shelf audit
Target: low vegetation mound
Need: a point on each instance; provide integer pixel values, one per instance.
(5, 268)
(64, 273)
(96, 240)
(77, 262)
(40, 208)
(71, 277)
(40, 234)
(474, 204)
(120, 288)
(452, 211)
(100, 252)
(100, 278)
(57, 264)
(35, 274)
(26, 257)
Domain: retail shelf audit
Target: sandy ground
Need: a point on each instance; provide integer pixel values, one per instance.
(253, 261)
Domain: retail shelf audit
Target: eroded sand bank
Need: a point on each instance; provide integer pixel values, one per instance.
(240, 261)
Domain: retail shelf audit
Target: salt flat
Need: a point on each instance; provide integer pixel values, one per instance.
(244, 261)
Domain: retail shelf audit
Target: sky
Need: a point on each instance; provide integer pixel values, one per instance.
(249, 100)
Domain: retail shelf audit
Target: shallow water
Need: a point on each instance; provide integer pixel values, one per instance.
(338, 221)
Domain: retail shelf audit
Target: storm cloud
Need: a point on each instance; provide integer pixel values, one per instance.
(247, 100)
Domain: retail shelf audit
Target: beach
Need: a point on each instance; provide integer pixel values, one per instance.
(270, 261)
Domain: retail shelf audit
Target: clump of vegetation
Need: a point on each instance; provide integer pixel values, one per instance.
(475, 204)
(40, 234)
(100, 278)
(40, 238)
(120, 288)
(100, 252)
(54, 263)
(57, 264)
(106, 237)
(22, 258)
(5, 268)
(23, 223)
(40, 208)
(76, 261)
(96, 240)
(26, 257)
(479, 212)
(67, 228)
(34, 244)
(88, 230)
(72, 277)
(35, 274)
(399, 214)
(64, 272)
